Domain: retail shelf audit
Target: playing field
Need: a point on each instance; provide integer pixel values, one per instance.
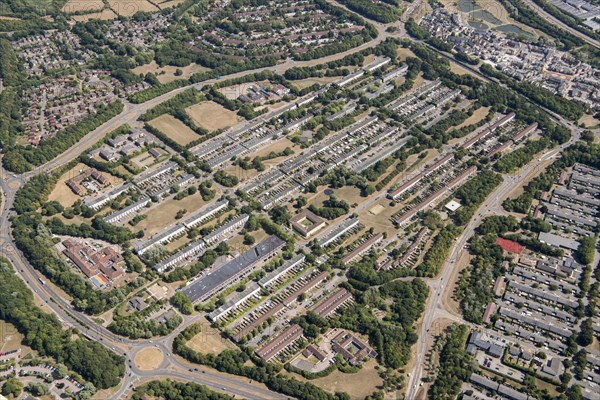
(209, 341)
(166, 74)
(163, 214)
(174, 129)
(127, 8)
(212, 116)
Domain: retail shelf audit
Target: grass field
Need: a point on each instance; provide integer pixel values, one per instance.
(10, 338)
(164, 214)
(357, 385)
(209, 341)
(304, 83)
(127, 8)
(64, 195)
(378, 217)
(457, 69)
(404, 53)
(149, 358)
(166, 74)
(83, 6)
(277, 146)
(212, 116)
(589, 121)
(236, 243)
(174, 129)
(477, 116)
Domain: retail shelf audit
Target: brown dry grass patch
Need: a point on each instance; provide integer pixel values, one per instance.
(477, 116)
(149, 358)
(304, 83)
(174, 129)
(588, 121)
(103, 15)
(166, 74)
(127, 8)
(170, 3)
(212, 116)
(209, 341)
(163, 215)
(357, 385)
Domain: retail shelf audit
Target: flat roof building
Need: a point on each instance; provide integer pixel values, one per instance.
(558, 241)
(226, 275)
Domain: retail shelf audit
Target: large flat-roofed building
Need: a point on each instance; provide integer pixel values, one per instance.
(226, 275)
(92, 261)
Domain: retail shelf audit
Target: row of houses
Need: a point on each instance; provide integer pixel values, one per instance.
(177, 230)
(201, 245)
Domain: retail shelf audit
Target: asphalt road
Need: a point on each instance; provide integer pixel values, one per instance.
(171, 367)
(492, 206)
(546, 15)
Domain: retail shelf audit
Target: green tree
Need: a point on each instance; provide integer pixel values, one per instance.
(12, 387)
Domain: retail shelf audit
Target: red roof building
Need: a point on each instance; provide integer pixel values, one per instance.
(510, 246)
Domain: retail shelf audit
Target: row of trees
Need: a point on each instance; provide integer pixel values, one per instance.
(475, 288)
(236, 362)
(438, 252)
(172, 390)
(586, 250)
(521, 156)
(473, 193)
(43, 333)
(455, 364)
(374, 10)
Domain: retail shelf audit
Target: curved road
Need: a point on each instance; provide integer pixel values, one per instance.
(171, 367)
